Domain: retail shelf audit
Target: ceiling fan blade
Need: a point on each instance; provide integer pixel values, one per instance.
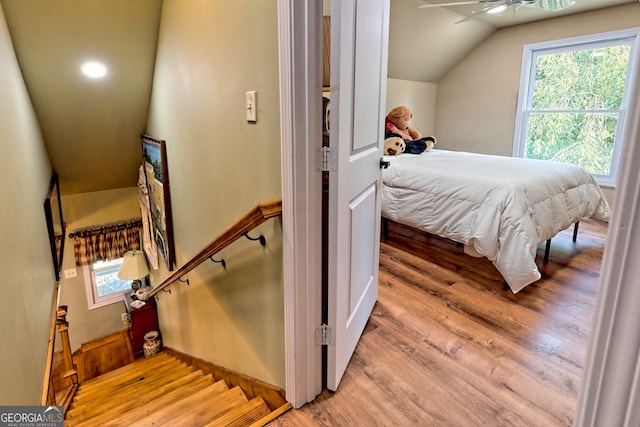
(484, 11)
(551, 5)
(458, 3)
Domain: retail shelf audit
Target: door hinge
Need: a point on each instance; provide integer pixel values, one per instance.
(324, 335)
(326, 159)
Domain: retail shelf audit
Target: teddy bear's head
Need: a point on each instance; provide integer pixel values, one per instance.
(400, 116)
(394, 145)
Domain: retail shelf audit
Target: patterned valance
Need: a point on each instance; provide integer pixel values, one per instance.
(106, 243)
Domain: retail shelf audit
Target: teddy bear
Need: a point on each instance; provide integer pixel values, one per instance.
(393, 146)
(397, 125)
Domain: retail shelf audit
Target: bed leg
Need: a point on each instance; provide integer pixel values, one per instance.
(505, 285)
(575, 231)
(547, 249)
(385, 228)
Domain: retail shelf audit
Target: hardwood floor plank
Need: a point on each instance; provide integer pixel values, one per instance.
(445, 345)
(463, 347)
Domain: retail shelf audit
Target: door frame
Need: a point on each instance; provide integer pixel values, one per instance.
(611, 377)
(300, 50)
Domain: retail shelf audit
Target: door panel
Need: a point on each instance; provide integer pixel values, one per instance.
(363, 269)
(358, 90)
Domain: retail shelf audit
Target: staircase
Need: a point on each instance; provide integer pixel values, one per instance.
(161, 390)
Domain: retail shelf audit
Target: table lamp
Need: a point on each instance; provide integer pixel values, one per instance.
(134, 267)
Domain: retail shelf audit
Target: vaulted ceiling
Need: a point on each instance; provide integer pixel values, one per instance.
(520, 14)
(425, 43)
(91, 128)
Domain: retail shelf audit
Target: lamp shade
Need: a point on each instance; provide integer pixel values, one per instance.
(134, 266)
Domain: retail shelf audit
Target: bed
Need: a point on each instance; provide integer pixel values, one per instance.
(498, 207)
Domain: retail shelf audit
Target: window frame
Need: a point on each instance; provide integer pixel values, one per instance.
(527, 74)
(93, 300)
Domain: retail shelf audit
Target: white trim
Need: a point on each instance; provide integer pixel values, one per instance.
(572, 42)
(93, 300)
(525, 88)
(301, 124)
(611, 381)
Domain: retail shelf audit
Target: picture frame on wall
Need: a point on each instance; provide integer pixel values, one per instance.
(56, 226)
(156, 175)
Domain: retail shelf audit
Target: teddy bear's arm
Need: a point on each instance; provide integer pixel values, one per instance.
(392, 128)
(414, 134)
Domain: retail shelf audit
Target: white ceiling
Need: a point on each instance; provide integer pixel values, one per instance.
(523, 14)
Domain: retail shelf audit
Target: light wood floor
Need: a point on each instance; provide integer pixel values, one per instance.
(446, 346)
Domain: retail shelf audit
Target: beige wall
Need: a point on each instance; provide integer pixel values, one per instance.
(28, 280)
(476, 104)
(220, 167)
(420, 97)
(89, 210)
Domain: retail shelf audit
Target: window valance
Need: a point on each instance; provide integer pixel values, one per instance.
(105, 243)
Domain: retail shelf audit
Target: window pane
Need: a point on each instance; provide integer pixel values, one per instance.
(107, 281)
(582, 139)
(587, 79)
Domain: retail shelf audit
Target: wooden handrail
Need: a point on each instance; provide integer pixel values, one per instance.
(48, 395)
(251, 220)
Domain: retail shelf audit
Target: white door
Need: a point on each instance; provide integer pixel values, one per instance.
(359, 35)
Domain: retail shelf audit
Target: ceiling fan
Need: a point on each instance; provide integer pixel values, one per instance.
(497, 6)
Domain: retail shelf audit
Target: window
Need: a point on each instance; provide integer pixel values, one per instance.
(103, 285)
(573, 100)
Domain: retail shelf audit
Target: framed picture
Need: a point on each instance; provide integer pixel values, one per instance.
(55, 223)
(156, 174)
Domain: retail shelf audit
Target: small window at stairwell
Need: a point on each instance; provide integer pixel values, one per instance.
(103, 285)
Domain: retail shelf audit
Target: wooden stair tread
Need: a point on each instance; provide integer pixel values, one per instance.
(272, 415)
(116, 382)
(146, 407)
(162, 390)
(172, 414)
(132, 385)
(117, 375)
(242, 415)
(114, 408)
(152, 382)
(134, 392)
(136, 364)
(146, 364)
(206, 411)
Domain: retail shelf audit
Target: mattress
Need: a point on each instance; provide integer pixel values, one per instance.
(500, 208)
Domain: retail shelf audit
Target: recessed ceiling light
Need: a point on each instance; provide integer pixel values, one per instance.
(94, 69)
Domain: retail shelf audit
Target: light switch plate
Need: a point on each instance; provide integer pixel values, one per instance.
(250, 106)
(69, 273)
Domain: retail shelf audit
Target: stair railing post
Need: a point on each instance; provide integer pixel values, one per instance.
(51, 394)
(63, 330)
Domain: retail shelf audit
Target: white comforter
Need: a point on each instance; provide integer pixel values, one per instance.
(500, 207)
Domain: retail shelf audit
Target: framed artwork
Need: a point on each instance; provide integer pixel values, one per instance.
(148, 243)
(156, 176)
(55, 223)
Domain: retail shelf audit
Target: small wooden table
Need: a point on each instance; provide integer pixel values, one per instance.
(142, 320)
